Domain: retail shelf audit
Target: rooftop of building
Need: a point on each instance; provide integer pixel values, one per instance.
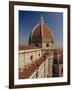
(30, 68)
(27, 47)
(58, 51)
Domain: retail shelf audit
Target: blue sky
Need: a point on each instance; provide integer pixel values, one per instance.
(28, 19)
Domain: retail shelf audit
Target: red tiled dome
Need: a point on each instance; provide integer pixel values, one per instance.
(40, 33)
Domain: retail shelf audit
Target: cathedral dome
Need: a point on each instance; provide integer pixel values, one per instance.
(40, 33)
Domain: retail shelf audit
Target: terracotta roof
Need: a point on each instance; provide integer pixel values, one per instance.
(47, 53)
(38, 34)
(58, 51)
(47, 33)
(26, 47)
(27, 72)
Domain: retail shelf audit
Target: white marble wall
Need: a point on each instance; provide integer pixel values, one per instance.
(41, 71)
(21, 60)
(44, 46)
(60, 70)
(46, 67)
(25, 58)
(44, 70)
(51, 66)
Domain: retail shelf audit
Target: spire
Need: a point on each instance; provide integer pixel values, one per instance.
(42, 21)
